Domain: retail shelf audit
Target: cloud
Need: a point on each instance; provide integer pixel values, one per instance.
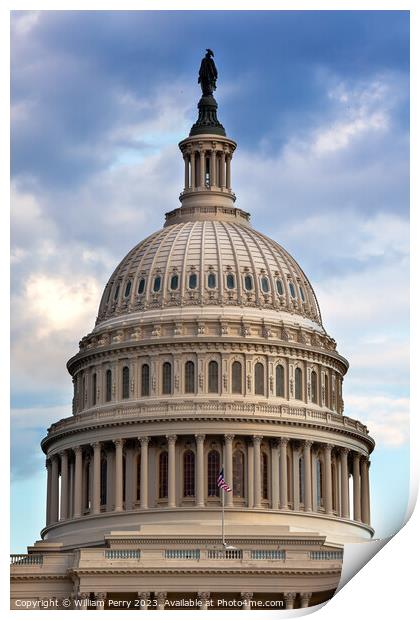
(386, 418)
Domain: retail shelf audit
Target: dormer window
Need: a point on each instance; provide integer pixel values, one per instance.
(248, 282)
(292, 290)
(127, 289)
(156, 284)
(141, 286)
(117, 291)
(192, 281)
(279, 286)
(230, 281)
(302, 294)
(211, 280)
(265, 286)
(174, 282)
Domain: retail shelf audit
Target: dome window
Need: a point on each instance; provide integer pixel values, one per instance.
(117, 291)
(230, 281)
(292, 290)
(279, 285)
(142, 286)
(192, 281)
(156, 284)
(127, 289)
(211, 280)
(174, 282)
(302, 294)
(265, 285)
(248, 282)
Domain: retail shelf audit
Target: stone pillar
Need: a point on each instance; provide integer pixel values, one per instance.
(161, 598)
(307, 476)
(96, 504)
(144, 475)
(192, 157)
(344, 483)
(119, 444)
(143, 598)
(365, 490)
(289, 597)
(129, 466)
(296, 481)
(250, 474)
(48, 509)
(257, 471)
(275, 470)
(84, 598)
(199, 439)
(228, 468)
(228, 175)
(356, 487)
(283, 473)
(100, 598)
(222, 170)
(64, 503)
(187, 171)
(202, 169)
(54, 488)
(204, 598)
(171, 471)
(328, 478)
(213, 168)
(246, 599)
(305, 599)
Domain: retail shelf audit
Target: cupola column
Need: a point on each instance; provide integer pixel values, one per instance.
(344, 483)
(257, 471)
(119, 444)
(356, 487)
(223, 170)
(228, 172)
(171, 471)
(365, 490)
(64, 500)
(213, 168)
(78, 481)
(308, 476)
(228, 463)
(202, 168)
(144, 474)
(328, 478)
(96, 478)
(187, 171)
(192, 157)
(54, 489)
(200, 470)
(283, 473)
(48, 513)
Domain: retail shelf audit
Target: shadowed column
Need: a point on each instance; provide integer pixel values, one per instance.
(64, 503)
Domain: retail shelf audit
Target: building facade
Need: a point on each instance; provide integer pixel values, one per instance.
(208, 351)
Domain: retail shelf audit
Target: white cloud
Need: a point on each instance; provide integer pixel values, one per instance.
(386, 418)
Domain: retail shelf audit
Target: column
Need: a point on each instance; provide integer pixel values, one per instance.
(344, 483)
(257, 470)
(250, 474)
(296, 480)
(84, 598)
(144, 475)
(275, 470)
(110, 471)
(64, 504)
(118, 483)
(213, 168)
(199, 439)
(187, 171)
(48, 510)
(171, 471)
(228, 469)
(96, 504)
(161, 598)
(289, 597)
(305, 599)
(202, 168)
(143, 598)
(356, 487)
(54, 488)
(228, 179)
(223, 169)
(192, 157)
(129, 460)
(308, 476)
(365, 490)
(283, 473)
(204, 598)
(78, 481)
(100, 598)
(328, 478)
(246, 599)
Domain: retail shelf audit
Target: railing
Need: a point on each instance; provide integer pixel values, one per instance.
(26, 558)
(224, 554)
(122, 554)
(326, 555)
(268, 554)
(182, 554)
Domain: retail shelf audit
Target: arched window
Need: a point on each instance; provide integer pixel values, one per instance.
(104, 472)
(248, 282)
(302, 294)
(108, 387)
(213, 470)
(238, 466)
(156, 284)
(301, 480)
(213, 378)
(319, 483)
(298, 383)
(166, 378)
(125, 382)
(189, 473)
(279, 286)
(314, 387)
(145, 380)
(265, 286)
(174, 282)
(327, 392)
(192, 281)
(117, 291)
(94, 386)
(259, 378)
(189, 377)
(211, 280)
(163, 474)
(230, 281)
(292, 290)
(127, 289)
(264, 475)
(280, 380)
(237, 378)
(142, 286)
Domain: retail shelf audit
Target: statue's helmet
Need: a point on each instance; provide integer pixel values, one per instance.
(209, 52)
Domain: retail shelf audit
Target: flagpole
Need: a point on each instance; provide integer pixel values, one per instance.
(223, 516)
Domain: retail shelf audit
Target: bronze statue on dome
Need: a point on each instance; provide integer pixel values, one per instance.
(207, 75)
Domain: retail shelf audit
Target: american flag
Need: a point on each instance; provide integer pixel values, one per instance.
(221, 483)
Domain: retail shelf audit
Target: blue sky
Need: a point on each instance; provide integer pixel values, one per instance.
(319, 105)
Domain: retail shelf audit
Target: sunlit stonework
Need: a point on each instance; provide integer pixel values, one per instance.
(208, 351)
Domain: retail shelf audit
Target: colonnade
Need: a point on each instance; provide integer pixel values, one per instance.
(207, 168)
(275, 474)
